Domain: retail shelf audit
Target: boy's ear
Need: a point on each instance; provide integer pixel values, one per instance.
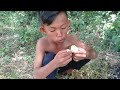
(42, 30)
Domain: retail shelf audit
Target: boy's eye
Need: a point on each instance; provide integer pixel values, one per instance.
(52, 30)
(63, 27)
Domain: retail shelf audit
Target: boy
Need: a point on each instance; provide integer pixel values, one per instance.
(52, 54)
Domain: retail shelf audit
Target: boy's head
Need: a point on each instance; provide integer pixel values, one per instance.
(54, 24)
(47, 17)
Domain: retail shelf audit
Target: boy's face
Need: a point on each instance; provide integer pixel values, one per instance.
(57, 31)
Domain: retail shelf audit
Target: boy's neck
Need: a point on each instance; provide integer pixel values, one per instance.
(57, 45)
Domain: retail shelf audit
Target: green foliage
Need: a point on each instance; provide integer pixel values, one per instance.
(99, 29)
(23, 24)
(113, 35)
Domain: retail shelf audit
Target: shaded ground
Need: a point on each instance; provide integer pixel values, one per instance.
(106, 66)
(19, 68)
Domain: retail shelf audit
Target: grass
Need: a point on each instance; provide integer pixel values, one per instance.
(15, 62)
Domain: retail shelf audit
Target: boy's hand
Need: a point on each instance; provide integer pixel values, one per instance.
(63, 57)
(79, 54)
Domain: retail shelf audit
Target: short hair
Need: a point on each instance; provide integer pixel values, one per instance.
(47, 17)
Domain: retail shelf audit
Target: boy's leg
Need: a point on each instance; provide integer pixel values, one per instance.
(47, 58)
(74, 65)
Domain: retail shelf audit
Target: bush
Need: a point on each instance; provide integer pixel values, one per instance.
(99, 29)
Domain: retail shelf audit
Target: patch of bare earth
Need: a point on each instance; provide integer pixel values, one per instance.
(16, 68)
(19, 68)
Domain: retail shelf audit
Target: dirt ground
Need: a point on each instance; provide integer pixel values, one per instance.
(18, 68)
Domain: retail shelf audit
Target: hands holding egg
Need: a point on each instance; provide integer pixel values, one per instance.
(78, 53)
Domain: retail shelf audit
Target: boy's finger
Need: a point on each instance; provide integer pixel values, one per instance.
(82, 50)
(77, 59)
(80, 55)
(66, 52)
(63, 51)
(67, 61)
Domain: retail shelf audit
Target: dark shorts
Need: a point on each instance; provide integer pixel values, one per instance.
(72, 65)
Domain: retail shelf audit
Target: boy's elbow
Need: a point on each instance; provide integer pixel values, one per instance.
(95, 55)
(37, 74)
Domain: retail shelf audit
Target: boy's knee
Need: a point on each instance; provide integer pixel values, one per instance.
(47, 58)
(79, 64)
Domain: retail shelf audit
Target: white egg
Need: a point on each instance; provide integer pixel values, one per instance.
(68, 50)
(74, 48)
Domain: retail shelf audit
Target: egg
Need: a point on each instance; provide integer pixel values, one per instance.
(74, 48)
(68, 50)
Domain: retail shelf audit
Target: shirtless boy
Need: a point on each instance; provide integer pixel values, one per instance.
(52, 54)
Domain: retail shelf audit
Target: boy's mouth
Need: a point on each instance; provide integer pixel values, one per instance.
(62, 40)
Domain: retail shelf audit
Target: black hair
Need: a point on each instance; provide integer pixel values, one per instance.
(47, 17)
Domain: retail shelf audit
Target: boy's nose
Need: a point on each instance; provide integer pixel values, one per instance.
(59, 34)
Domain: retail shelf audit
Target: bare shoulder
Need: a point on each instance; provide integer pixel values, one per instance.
(41, 43)
(76, 41)
(42, 40)
(73, 39)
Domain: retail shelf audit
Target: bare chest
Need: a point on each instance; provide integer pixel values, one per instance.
(56, 49)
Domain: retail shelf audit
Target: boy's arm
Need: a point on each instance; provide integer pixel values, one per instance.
(42, 72)
(90, 53)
